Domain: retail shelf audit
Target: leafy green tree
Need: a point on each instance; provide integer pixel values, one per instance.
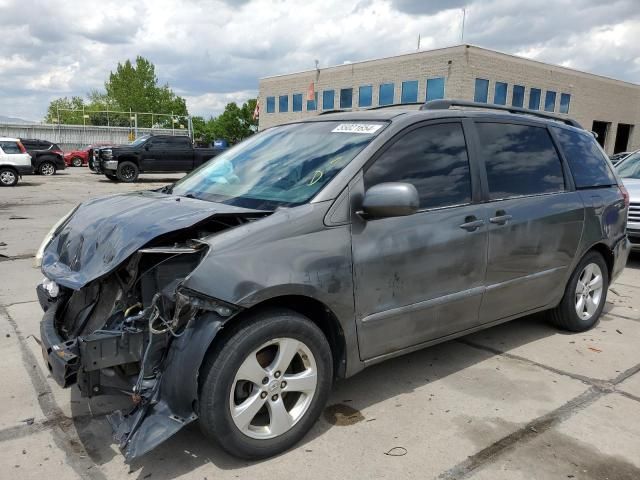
(66, 110)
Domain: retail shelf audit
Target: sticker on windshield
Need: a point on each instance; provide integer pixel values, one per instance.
(366, 128)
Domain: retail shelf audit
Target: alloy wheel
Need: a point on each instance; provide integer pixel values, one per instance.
(589, 291)
(47, 169)
(273, 388)
(128, 172)
(76, 162)
(7, 177)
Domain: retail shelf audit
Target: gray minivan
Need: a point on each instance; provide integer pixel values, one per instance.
(314, 249)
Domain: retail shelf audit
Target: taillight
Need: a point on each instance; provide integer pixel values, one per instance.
(59, 152)
(625, 195)
(21, 147)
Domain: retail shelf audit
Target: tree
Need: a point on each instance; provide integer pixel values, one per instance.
(65, 110)
(233, 124)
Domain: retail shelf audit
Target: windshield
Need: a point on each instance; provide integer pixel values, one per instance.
(630, 166)
(139, 140)
(284, 166)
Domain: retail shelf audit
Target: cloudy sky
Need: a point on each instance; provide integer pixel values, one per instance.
(213, 51)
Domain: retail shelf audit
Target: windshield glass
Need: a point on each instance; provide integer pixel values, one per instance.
(284, 166)
(139, 140)
(630, 166)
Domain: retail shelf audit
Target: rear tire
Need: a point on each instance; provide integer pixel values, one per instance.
(47, 168)
(585, 295)
(127, 172)
(251, 401)
(76, 162)
(8, 177)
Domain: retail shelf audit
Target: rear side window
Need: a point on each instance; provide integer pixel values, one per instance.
(520, 160)
(588, 165)
(434, 159)
(10, 147)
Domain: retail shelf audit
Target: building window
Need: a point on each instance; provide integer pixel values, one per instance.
(500, 94)
(565, 99)
(271, 104)
(386, 94)
(346, 97)
(312, 104)
(327, 99)
(435, 88)
(482, 90)
(364, 96)
(550, 101)
(409, 92)
(517, 100)
(297, 102)
(283, 103)
(534, 99)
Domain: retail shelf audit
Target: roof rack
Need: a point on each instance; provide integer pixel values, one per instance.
(379, 107)
(446, 104)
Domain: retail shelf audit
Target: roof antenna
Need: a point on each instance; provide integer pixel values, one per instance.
(464, 15)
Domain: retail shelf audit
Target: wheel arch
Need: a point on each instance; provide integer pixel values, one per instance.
(606, 252)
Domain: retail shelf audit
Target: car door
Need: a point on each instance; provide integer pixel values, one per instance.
(154, 155)
(535, 218)
(179, 154)
(420, 277)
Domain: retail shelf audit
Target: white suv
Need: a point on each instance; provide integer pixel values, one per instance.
(14, 161)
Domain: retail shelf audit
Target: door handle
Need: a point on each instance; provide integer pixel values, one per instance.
(471, 223)
(501, 218)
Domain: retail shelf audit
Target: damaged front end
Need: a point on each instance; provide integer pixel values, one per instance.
(134, 329)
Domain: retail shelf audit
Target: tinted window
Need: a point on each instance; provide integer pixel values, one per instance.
(283, 103)
(518, 96)
(482, 90)
(346, 97)
(179, 142)
(550, 101)
(409, 91)
(588, 164)
(435, 88)
(364, 96)
(10, 147)
(271, 104)
(312, 104)
(565, 99)
(534, 99)
(297, 102)
(386, 94)
(520, 160)
(500, 94)
(327, 99)
(432, 158)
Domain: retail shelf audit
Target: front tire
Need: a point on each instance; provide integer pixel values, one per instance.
(585, 295)
(8, 177)
(76, 162)
(265, 386)
(47, 168)
(127, 172)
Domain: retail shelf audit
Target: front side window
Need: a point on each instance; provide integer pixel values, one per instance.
(365, 94)
(327, 99)
(565, 99)
(386, 94)
(520, 160)
(346, 97)
(283, 166)
(550, 101)
(500, 94)
(297, 102)
(409, 91)
(517, 100)
(434, 159)
(271, 104)
(283, 103)
(435, 88)
(482, 90)
(534, 99)
(586, 160)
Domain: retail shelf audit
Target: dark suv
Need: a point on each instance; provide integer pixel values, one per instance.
(314, 249)
(46, 157)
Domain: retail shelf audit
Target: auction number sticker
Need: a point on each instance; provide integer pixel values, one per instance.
(366, 128)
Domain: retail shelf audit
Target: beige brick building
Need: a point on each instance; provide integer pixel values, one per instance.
(605, 105)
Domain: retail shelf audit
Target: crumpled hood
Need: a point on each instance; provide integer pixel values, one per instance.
(104, 232)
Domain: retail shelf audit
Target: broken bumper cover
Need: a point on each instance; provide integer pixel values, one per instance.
(61, 357)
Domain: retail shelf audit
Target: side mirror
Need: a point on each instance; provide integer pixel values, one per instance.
(392, 199)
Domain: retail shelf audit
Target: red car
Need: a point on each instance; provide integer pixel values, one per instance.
(80, 158)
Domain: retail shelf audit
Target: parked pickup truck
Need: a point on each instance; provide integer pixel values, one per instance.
(152, 154)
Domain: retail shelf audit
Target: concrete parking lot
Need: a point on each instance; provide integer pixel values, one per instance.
(518, 401)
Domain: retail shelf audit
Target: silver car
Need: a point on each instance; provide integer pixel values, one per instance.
(629, 171)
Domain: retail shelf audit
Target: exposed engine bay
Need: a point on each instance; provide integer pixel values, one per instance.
(137, 331)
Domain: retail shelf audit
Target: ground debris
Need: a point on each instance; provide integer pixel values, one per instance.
(396, 452)
(594, 349)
